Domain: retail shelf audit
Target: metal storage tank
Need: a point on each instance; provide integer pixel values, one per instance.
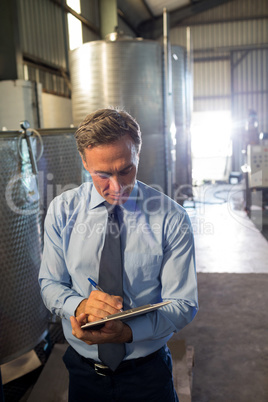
(59, 167)
(25, 198)
(23, 316)
(183, 169)
(125, 73)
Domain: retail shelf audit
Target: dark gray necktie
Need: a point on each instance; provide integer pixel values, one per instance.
(111, 281)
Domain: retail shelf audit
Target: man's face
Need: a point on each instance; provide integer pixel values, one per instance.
(113, 168)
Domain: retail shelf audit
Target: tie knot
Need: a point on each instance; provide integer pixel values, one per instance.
(111, 209)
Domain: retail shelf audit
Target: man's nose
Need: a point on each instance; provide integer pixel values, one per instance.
(115, 185)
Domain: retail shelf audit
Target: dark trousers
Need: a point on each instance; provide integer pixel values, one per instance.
(151, 381)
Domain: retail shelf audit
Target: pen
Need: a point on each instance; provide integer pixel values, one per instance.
(97, 287)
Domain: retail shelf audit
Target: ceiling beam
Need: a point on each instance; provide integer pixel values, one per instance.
(144, 2)
(126, 21)
(153, 29)
(85, 21)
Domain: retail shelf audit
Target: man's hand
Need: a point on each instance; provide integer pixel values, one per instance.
(99, 305)
(113, 332)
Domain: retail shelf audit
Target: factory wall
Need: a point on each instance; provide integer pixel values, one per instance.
(43, 31)
(57, 111)
(230, 54)
(229, 43)
(20, 100)
(44, 42)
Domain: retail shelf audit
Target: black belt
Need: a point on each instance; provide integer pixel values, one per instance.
(132, 363)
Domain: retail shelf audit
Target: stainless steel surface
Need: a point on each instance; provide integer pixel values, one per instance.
(183, 171)
(24, 201)
(59, 167)
(168, 100)
(127, 73)
(23, 317)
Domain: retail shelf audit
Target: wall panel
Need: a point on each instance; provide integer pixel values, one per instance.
(212, 85)
(230, 53)
(249, 92)
(41, 31)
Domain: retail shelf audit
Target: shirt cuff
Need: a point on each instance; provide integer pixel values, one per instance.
(141, 328)
(71, 305)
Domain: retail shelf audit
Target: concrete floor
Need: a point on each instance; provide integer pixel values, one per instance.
(230, 332)
(226, 239)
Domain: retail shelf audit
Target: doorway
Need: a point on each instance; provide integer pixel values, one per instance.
(211, 146)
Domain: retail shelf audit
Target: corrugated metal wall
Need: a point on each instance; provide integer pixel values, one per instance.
(212, 85)
(223, 79)
(90, 10)
(249, 92)
(41, 28)
(230, 51)
(232, 11)
(44, 40)
(41, 31)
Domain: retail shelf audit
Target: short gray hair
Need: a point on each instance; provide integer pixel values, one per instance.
(106, 126)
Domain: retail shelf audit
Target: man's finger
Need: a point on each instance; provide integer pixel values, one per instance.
(76, 326)
(81, 319)
(112, 301)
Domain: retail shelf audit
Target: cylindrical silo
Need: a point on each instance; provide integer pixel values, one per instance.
(125, 73)
(23, 316)
(183, 171)
(59, 167)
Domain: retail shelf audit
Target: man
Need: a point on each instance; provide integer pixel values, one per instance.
(157, 258)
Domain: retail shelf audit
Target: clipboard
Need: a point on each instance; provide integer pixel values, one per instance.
(125, 315)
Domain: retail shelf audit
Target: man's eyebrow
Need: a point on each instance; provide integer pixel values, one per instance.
(126, 168)
(109, 173)
(102, 172)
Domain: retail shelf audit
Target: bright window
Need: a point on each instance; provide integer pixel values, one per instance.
(75, 5)
(74, 25)
(211, 145)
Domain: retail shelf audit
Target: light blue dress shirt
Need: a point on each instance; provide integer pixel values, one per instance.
(158, 262)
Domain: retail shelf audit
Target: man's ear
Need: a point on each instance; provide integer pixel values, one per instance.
(83, 161)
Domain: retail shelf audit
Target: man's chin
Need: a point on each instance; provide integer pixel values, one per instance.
(114, 199)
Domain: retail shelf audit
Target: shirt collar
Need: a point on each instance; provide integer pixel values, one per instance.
(129, 205)
(96, 198)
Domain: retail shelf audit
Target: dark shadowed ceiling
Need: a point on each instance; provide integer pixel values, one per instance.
(145, 16)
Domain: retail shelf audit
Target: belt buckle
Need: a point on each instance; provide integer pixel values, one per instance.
(99, 367)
